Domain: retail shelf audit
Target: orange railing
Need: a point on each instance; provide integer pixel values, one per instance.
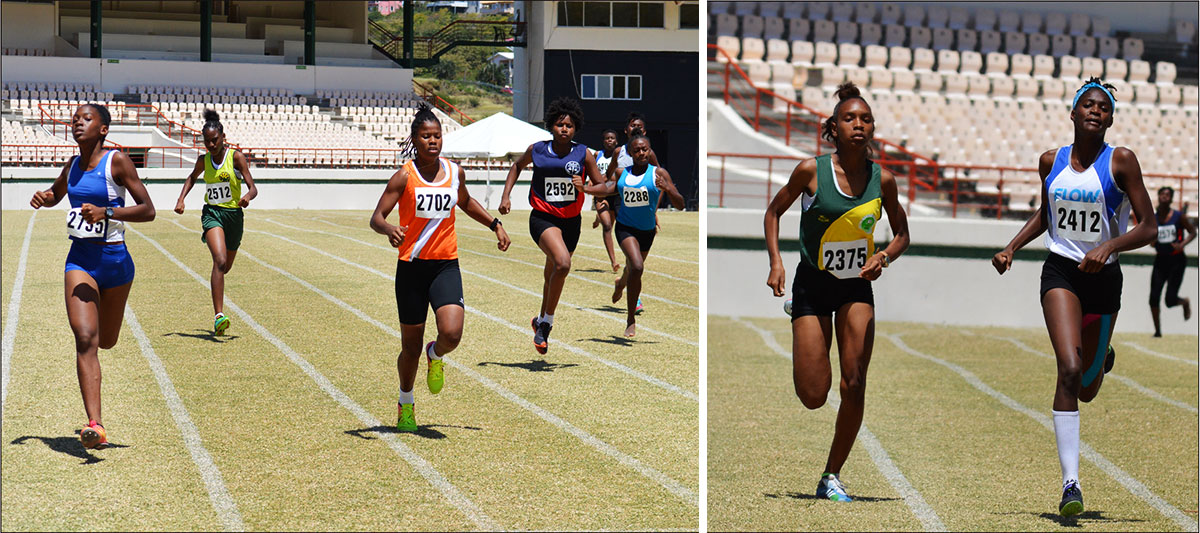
(771, 113)
(438, 102)
(55, 118)
(982, 189)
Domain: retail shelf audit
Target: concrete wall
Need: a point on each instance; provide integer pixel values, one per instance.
(278, 188)
(927, 289)
(30, 26)
(116, 76)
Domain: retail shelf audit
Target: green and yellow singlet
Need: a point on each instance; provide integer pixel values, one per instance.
(837, 230)
(223, 185)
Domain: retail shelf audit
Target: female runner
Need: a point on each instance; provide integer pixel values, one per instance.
(424, 192)
(99, 270)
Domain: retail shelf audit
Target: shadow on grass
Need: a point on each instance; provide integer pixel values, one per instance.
(612, 309)
(594, 270)
(534, 365)
(619, 340)
(808, 496)
(68, 445)
(426, 431)
(1085, 518)
(203, 334)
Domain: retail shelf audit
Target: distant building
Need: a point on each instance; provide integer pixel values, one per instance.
(386, 8)
(457, 6)
(617, 57)
(496, 7)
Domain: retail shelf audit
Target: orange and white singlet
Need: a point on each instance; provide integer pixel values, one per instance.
(428, 211)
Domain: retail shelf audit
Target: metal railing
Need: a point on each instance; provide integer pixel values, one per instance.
(426, 50)
(55, 118)
(426, 92)
(980, 190)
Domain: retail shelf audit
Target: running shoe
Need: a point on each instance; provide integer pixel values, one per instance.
(831, 488)
(638, 310)
(541, 336)
(220, 324)
(1109, 358)
(434, 376)
(407, 421)
(1072, 500)
(93, 436)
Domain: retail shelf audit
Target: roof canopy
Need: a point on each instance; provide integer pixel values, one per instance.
(495, 136)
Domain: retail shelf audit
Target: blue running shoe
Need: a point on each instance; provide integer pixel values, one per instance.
(1072, 500)
(831, 488)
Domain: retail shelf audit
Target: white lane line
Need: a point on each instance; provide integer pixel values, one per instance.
(1111, 375)
(672, 486)
(1131, 484)
(585, 245)
(606, 316)
(581, 278)
(1145, 350)
(14, 312)
(577, 255)
(423, 467)
(573, 349)
(912, 497)
(222, 502)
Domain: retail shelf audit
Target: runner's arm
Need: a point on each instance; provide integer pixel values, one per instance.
(510, 181)
(387, 201)
(57, 191)
(243, 165)
(188, 183)
(1037, 223)
(800, 181)
(1128, 173)
(476, 211)
(897, 219)
(662, 180)
(124, 173)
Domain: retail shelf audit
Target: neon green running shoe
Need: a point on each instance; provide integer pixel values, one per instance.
(407, 421)
(434, 375)
(220, 324)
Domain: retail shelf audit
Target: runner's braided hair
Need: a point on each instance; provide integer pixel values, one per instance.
(408, 149)
(212, 121)
(564, 105)
(845, 91)
(1111, 88)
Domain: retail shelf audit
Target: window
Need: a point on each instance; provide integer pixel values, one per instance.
(689, 15)
(627, 14)
(610, 87)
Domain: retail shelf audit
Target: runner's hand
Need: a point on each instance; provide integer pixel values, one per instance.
(873, 269)
(1095, 259)
(776, 279)
(502, 241)
(1002, 261)
(505, 205)
(41, 198)
(179, 206)
(396, 236)
(577, 181)
(92, 213)
(244, 202)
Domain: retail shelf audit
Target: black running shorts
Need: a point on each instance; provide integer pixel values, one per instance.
(540, 221)
(1098, 293)
(645, 238)
(425, 283)
(815, 292)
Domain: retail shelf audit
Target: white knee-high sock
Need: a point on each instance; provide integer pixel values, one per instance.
(1066, 433)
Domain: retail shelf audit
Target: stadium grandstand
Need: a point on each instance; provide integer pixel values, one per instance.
(312, 84)
(966, 95)
(617, 57)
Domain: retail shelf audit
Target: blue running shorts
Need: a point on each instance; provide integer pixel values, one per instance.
(109, 264)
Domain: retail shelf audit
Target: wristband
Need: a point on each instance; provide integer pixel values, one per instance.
(495, 224)
(108, 213)
(886, 261)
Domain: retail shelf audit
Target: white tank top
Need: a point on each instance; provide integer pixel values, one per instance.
(1086, 208)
